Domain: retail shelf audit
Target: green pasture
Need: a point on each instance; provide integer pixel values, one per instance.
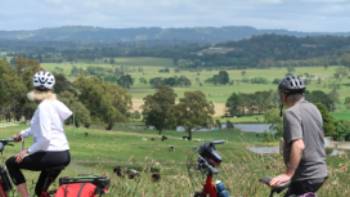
(127, 62)
(97, 152)
(148, 68)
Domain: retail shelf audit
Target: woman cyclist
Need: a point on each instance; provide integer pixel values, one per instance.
(50, 148)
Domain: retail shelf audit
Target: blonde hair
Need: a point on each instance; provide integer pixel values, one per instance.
(36, 95)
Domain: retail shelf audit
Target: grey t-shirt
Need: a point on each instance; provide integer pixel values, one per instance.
(304, 121)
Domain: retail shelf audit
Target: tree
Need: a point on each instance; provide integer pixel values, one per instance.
(25, 68)
(62, 84)
(318, 96)
(106, 102)
(11, 90)
(126, 81)
(193, 111)
(143, 80)
(158, 109)
(341, 73)
(81, 115)
(329, 124)
(347, 102)
(334, 95)
(273, 117)
(251, 104)
(345, 59)
(233, 104)
(181, 81)
(222, 78)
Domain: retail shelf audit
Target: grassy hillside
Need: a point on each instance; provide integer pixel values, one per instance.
(97, 152)
(215, 93)
(148, 68)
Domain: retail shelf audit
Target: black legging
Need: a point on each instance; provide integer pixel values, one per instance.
(302, 187)
(49, 163)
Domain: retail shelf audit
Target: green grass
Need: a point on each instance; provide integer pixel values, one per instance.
(100, 150)
(144, 61)
(245, 119)
(344, 115)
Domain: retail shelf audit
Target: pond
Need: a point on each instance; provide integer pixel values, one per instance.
(263, 150)
(247, 127)
(253, 127)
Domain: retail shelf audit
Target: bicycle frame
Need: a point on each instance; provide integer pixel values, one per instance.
(4, 181)
(2, 192)
(209, 187)
(208, 160)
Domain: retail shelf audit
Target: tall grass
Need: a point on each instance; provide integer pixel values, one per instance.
(100, 151)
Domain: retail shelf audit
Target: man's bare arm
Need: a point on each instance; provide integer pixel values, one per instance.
(296, 154)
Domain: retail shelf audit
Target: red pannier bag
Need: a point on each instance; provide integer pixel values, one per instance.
(91, 186)
(76, 190)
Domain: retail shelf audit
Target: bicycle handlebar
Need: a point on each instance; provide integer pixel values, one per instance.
(209, 158)
(5, 142)
(216, 142)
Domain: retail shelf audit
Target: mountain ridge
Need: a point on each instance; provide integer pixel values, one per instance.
(90, 34)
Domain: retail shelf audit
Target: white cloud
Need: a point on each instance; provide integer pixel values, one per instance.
(308, 15)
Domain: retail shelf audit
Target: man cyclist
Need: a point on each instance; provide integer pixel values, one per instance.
(303, 150)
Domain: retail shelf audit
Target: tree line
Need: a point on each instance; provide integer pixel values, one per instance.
(91, 99)
(260, 102)
(95, 101)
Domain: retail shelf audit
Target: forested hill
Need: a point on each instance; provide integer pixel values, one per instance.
(262, 51)
(86, 34)
(258, 51)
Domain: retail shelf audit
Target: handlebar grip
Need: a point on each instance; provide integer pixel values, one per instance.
(265, 180)
(278, 188)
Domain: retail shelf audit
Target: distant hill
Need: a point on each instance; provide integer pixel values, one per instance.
(203, 35)
(241, 47)
(271, 49)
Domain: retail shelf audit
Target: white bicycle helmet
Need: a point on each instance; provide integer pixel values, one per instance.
(43, 80)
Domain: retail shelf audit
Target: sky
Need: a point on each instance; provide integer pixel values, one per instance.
(298, 15)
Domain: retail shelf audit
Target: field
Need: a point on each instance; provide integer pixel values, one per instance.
(97, 152)
(147, 68)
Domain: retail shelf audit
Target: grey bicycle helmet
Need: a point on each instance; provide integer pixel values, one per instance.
(291, 85)
(43, 80)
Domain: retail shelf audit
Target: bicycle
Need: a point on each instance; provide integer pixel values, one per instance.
(93, 185)
(207, 162)
(208, 159)
(5, 183)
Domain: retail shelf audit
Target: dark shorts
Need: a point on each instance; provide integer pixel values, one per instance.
(302, 187)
